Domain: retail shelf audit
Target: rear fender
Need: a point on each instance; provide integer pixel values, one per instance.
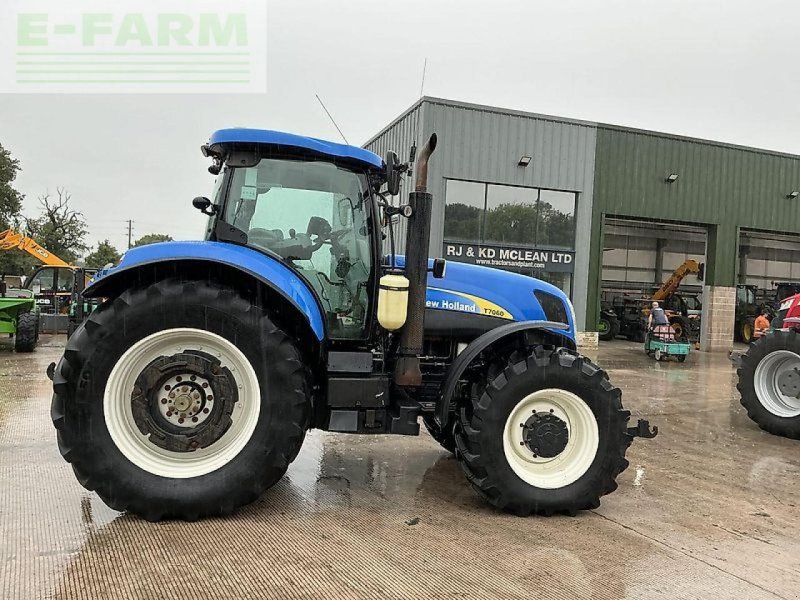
(549, 330)
(182, 258)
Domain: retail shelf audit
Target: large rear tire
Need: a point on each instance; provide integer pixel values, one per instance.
(546, 434)
(180, 400)
(769, 383)
(27, 336)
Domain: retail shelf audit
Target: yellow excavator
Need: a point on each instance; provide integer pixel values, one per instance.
(10, 240)
(670, 285)
(678, 317)
(56, 284)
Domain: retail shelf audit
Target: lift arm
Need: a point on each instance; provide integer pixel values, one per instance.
(10, 240)
(670, 285)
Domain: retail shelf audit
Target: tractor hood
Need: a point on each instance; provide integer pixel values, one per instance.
(497, 293)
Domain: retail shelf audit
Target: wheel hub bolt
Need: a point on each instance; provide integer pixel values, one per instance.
(163, 401)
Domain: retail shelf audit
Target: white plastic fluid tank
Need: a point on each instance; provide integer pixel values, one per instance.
(392, 301)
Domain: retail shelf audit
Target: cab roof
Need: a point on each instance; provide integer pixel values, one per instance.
(279, 138)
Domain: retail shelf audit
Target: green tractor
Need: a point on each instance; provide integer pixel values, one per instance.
(19, 317)
(189, 391)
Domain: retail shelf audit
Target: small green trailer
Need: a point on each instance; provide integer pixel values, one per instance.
(19, 317)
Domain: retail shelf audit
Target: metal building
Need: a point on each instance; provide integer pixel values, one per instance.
(601, 210)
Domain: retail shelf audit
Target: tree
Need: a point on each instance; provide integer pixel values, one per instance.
(60, 229)
(10, 199)
(11, 262)
(152, 238)
(105, 254)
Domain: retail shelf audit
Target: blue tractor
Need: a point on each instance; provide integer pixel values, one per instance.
(189, 391)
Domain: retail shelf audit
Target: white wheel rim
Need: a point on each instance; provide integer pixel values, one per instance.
(658, 354)
(578, 455)
(136, 447)
(765, 382)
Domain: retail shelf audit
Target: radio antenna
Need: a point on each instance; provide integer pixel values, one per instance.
(422, 84)
(331, 118)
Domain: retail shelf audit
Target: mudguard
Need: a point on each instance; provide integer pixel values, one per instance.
(264, 268)
(478, 345)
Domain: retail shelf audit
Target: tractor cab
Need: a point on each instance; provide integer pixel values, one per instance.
(310, 205)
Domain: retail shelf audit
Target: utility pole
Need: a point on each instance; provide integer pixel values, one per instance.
(130, 231)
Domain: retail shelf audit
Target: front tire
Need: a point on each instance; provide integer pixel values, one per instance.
(444, 438)
(769, 383)
(27, 335)
(546, 434)
(180, 400)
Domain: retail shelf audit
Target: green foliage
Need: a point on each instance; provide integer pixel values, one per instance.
(103, 255)
(10, 199)
(152, 238)
(60, 229)
(12, 262)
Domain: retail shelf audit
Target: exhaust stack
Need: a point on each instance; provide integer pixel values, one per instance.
(407, 371)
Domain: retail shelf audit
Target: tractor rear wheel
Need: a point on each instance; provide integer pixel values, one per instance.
(27, 335)
(680, 327)
(747, 329)
(769, 382)
(180, 400)
(546, 434)
(607, 328)
(444, 438)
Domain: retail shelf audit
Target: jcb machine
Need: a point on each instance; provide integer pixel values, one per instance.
(190, 390)
(56, 285)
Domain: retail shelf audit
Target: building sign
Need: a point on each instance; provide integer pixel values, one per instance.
(513, 257)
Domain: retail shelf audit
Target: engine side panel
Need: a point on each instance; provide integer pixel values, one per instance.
(502, 295)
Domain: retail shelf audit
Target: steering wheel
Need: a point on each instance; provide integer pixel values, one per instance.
(298, 246)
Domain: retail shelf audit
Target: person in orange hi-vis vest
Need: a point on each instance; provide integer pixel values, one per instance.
(761, 326)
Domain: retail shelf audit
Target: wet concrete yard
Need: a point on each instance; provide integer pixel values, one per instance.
(708, 509)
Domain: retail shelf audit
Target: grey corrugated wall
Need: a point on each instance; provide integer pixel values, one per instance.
(482, 143)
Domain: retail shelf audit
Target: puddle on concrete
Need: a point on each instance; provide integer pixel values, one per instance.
(369, 517)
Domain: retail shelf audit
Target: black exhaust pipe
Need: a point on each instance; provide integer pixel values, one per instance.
(407, 371)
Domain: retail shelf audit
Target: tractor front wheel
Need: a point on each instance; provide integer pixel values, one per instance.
(546, 434)
(180, 400)
(27, 335)
(444, 438)
(769, 382)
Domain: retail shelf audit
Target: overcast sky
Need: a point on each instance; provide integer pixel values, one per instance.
(724, 70)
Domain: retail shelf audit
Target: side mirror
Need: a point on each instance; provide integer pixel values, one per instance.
(203, 204)
(392, 173)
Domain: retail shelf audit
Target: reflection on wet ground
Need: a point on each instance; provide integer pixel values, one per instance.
(707, 509)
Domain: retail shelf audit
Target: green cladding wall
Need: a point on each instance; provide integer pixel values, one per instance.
(719, 186)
